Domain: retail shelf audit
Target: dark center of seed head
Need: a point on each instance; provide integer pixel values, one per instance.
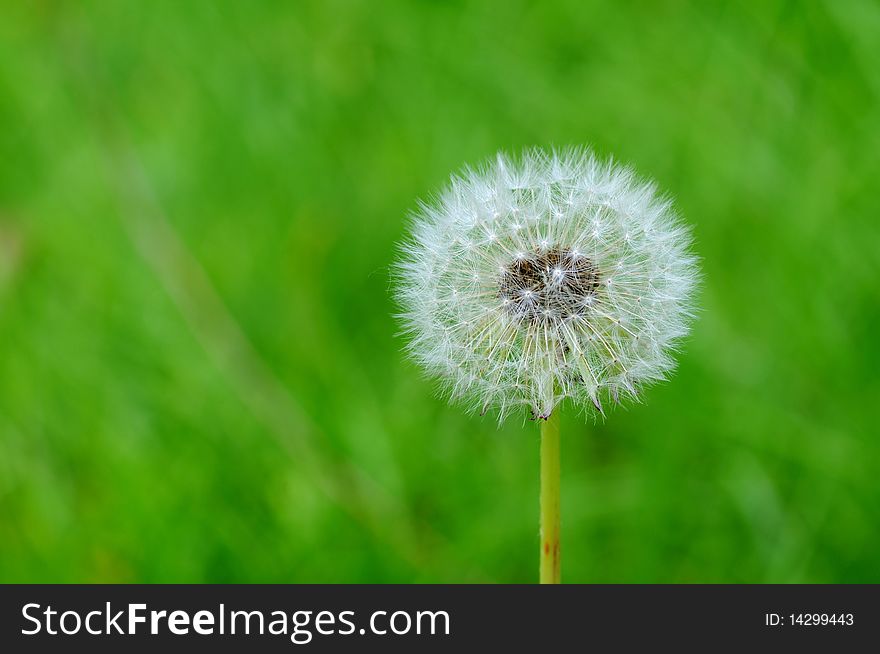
(549, 284)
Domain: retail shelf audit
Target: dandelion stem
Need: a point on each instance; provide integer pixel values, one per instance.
(550, 545)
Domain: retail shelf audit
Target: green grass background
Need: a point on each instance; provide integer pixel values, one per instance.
(199, 375)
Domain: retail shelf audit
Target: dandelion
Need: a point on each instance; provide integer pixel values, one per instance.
(552, 276)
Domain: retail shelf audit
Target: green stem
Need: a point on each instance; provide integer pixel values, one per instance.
(550, 555)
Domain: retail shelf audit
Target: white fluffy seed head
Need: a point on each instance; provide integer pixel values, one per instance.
(550, 276)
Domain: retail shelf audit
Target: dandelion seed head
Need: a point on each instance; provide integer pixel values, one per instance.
(548, 276)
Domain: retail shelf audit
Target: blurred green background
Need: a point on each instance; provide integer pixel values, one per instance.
(199, 375)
